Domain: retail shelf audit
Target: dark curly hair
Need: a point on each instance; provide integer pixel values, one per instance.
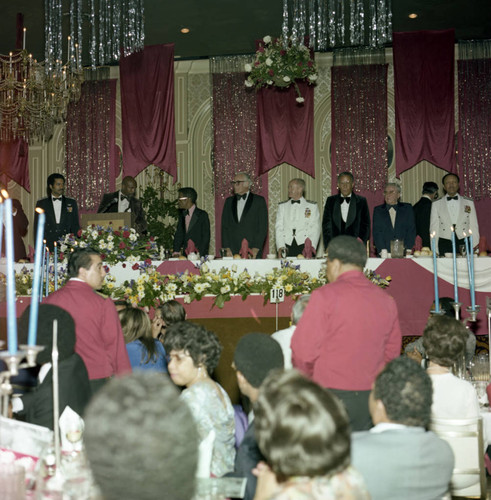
(405, 390)
(302, 429)
(444, 340)
(202, 345)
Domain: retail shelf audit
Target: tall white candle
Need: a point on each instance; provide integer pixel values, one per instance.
(454, 257)
(435, 272)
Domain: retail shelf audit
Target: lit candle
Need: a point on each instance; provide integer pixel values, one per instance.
(469, 271)
(36, 280)
(454, 256)
(55, 263)
(1, 223)
(435, 272)
(9, 253)
(46, 291)
(42, 272)
(24, 39)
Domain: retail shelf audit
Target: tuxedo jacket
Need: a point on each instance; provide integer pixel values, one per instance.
(467, 219)
(19, 229)
(404, 464)
(109, 204)
(253, 225)
(198, 231)
(422, 212)
(404, 229)
(357, 222)
(69, 221)
(74, 391)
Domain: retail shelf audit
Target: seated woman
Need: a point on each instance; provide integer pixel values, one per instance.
(145, 351)
(36, 407)
(444, 341)
(303, 431)
(167, 314)
(193, 355)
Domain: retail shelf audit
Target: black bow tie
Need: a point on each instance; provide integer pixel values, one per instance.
(452, 198)
(57, 199)
(295, 201)
(347, 199)
(391, 206)
(241, 196)
(123, 197)
(186, 212)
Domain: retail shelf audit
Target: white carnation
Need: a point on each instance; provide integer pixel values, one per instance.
(248, 68)
(248, 83)
(267, 39)
(300, 100)
(286, 78)
(313, 77)
(269, 61)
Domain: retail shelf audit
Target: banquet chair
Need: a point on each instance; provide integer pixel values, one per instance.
(465, 437)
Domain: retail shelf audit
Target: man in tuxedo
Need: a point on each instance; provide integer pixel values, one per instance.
(100, 342)
(61, 212)
(422, 211)
(346, 212)
(124, 200)
(297, 219)
(245, 215)
(393, 220)
(453, 210)
(399, 458)
(255, 356)
(348, 331)
(193, 224)
(20, 223)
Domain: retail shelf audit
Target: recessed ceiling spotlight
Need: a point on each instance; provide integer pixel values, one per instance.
(185, 30)
(413, 16)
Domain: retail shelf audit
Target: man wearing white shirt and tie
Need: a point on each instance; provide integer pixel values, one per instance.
(297, 219)
(61, 212)
(453, 210)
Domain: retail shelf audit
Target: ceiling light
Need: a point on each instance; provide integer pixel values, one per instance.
(185, 30)
(413, 16)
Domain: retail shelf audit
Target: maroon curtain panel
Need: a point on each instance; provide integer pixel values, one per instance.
(147, 101)
(424, 98)
(359, 124)
(91, 152)
(285, 129)
(14, 163)
(234, 139)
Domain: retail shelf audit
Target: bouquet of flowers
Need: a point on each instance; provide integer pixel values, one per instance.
(279, 63)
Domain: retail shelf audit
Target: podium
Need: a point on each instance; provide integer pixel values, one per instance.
(114, 219)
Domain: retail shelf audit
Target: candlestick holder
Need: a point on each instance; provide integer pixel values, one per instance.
(457, 306)
(31, 352)
(12, 361)
(473, 313)
(437, 313)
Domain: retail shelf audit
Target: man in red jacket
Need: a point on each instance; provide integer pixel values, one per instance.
(99, 338)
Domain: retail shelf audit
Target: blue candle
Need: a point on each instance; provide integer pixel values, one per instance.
(42, 272)
(435, 273)
(46, 292)
(454, 256)
(469, 271)
(9, 253)
(36, 280)
(472, 276)
(1, 222)
(55, 263)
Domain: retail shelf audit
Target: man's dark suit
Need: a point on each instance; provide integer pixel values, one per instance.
(357, 223)
(422, 212)
(69, 222)
(253, 225)
(109, 204)
(198, 231)
(383, 232)
(19, 230)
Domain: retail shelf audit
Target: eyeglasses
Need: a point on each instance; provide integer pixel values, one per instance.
(236, 182)
(183, 198)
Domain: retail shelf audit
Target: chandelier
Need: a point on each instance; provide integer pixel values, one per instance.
(337, 23)
(34, 96)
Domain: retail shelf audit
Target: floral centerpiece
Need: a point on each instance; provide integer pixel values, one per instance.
(114, 245)
(280, 64)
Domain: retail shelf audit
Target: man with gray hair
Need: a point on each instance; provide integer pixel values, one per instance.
(393, 220)
(284, 337)
(244, 216)
(141, 440)
(296, 220)
(348, 331)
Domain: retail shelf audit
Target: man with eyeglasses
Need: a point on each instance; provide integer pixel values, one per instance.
(346, 212)
(193, 224)
(244, 216)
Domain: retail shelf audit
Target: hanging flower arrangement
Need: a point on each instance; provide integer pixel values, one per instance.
(281, 64)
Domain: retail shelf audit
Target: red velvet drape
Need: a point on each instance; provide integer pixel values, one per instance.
(359, 124)
(424, 98)
(285, 129)
(147, 101)
(91, 151)
(14, 163)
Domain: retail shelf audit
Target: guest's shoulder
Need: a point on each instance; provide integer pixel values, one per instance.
(311, 202)
(70, 201)
(42, 201)
(359, 198)
(283, 202)
(467, 199)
